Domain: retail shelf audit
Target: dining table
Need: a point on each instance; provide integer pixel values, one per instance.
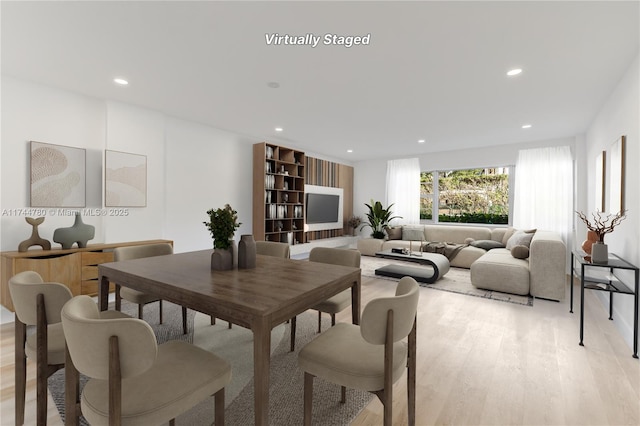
(260, 298)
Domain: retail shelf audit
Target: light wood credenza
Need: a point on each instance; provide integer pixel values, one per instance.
(77, 268)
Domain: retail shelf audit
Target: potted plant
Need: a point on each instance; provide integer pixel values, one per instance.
(354, 222)
(222, 225)
(379, 218)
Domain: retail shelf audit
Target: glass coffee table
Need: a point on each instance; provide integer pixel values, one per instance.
(435, 265)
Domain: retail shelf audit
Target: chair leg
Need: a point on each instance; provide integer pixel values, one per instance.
(21, 370)
(42, 361)
(308, 398)
(118, 298)
(333, 320)
(219, 407)
(184, 320)
(293, 334)
(160, 311)
(172, 422)
(343, 394)
(140, 315)
(213, 320)
(72, 391)
(411, 376)
(319, 321)
(230, 324)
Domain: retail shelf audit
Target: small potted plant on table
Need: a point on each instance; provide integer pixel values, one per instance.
(222, 225)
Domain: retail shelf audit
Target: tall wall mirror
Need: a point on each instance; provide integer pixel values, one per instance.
(617, 173)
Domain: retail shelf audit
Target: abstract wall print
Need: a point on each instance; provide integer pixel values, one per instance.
(125, 179)
(57, 175)
(616, 190)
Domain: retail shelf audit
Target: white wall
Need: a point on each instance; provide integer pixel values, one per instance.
(619, 116)
(206, 168)
(32, 112)
(190, 167)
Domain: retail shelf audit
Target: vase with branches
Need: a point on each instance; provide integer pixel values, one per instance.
(602, 224)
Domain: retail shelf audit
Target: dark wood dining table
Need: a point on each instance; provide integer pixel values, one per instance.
(261, 298)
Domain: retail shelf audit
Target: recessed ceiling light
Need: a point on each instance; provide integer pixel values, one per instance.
(120, 81)
(273, 84)
(421, 141)
(526, 126)
(279, 129)
(349, 150)
(513, 72)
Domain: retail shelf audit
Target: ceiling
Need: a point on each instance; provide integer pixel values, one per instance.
(432, 70)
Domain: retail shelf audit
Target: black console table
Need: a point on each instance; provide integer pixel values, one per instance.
(602, 277)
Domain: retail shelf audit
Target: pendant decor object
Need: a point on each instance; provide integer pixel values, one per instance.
(246, 252)
(599, 253)
(35, 239)
(79, 233)
(592, 238)
(221, 259)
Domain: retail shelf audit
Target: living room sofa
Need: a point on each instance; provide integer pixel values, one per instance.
(542, 273)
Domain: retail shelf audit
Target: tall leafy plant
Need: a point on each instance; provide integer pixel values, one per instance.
(223, 224)
(378, 218)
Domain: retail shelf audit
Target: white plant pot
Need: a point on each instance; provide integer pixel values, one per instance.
(599, 253)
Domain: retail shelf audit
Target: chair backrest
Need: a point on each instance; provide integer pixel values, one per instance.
(335, 256)
(24, 288)
(404, 304)
(137, 252)
(272, 248)
(88, 336)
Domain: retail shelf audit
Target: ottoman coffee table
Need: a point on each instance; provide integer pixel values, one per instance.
(435, 266)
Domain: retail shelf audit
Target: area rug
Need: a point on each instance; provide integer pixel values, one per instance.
(457, 280)
(236, 346)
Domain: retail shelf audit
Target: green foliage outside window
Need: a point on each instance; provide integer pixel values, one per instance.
(467, 196)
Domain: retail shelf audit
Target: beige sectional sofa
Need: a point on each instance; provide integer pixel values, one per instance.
(542, 274)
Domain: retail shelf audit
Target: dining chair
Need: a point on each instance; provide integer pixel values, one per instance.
(370, 356)
(138, 297)
(342, 300)
(38, 303)
(273, 248)
(132, 379)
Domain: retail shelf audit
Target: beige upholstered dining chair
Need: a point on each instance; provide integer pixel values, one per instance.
(342, 300)
(138, 297)
(132, 379)
(371, 356)
(272, 248)
(38, 303)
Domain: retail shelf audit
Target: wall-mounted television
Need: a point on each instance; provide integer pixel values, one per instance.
(323, 207)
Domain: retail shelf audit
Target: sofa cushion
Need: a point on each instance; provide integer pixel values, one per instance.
(498, 270)
(394, 232)
(519, 238)
(455, 234)
(507, 235)
(487, 244)
(413, 233)
(520, 252)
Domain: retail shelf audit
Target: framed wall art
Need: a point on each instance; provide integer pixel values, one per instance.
(57, 175)
(617, 183)
(600, 172)
(125, 183)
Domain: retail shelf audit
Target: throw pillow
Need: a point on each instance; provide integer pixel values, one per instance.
(520, 252)
(413, 233)
(487, 244)
(519, 238)
(394, 232)
(507, 235)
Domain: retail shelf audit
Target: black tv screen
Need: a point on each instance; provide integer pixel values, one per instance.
(322, 208)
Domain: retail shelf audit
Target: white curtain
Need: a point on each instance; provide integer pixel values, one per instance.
(403, 189)
(544, 190)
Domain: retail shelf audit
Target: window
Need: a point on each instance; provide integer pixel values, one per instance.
(466, 196)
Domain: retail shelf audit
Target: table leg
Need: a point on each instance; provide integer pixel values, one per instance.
(355, 302)
(103, 293)
(261, 370)
(635, 316)
(571, 286)
(582, 305)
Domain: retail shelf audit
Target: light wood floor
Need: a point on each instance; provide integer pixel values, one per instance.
(480, 362)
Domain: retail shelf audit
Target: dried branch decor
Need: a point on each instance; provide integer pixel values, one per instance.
(601, 225)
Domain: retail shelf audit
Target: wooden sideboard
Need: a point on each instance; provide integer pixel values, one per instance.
(77, 268)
